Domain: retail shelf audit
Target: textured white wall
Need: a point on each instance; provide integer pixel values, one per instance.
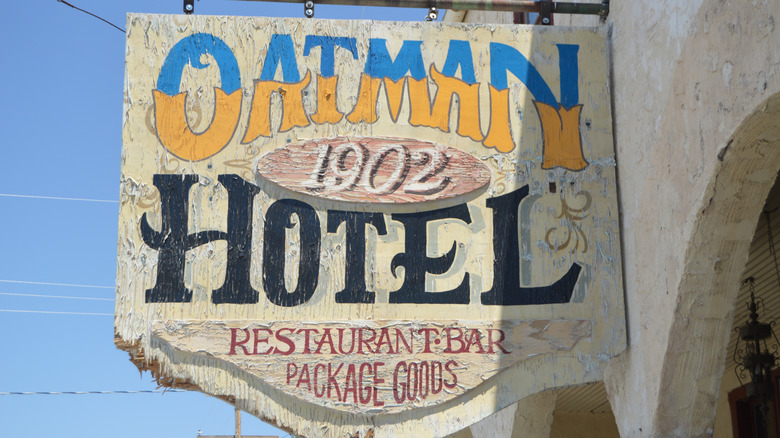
(686, 78)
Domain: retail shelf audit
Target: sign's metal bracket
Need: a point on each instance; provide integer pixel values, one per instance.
(601, 9)
(604, 9)
(433, 14)
(545, 13)
(308, 9)
(189, 6)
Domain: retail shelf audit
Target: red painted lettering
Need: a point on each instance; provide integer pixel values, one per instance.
(350, 379)
(316, 386)
(473, 337)
(413, 371)
(367, 398)
(332, 381)
(326, 339)
(258, 340)
(448, 366)
(426, 332)
(306, 333)
(362, 342)
(377, 381)
(400, 396)
(341, 339)
(234, 341)
(424, 374)
(292, 371)
(304, 377)
(450, 339)
(491, 342)
(399, 337)
(285, 340)
(436, 377)
(384, 338)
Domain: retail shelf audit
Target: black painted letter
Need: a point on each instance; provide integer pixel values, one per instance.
(173, 241)
(237, 288)
(417, 263)
(277, 220)
(506, 290)
(355, 263)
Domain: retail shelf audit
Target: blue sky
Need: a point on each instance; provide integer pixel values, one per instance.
(61, 79)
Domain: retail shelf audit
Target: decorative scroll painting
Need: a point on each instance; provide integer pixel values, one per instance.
(352, 226)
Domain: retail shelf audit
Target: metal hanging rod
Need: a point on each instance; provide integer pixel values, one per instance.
(475, 5)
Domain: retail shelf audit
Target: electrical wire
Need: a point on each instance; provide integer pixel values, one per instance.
(54, 296)
(90, 13)
(58, 198)
(156, 391)
(55, 313)
(41, 283)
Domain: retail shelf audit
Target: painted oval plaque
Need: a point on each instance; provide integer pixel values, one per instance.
(374, 170)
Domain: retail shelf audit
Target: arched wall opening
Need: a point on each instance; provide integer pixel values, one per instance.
(580, 411)
(761, 268)
(697, 348)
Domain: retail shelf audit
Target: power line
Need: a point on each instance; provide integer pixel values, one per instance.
(41, 283)
(55, 296)
(57, 198)
(156, 391)
(55, 313)
(90, 13)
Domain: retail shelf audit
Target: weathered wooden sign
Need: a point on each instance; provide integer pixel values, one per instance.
(352, 226)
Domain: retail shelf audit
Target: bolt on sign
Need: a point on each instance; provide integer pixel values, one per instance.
(354, 227)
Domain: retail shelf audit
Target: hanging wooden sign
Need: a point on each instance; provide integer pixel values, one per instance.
(352, 226)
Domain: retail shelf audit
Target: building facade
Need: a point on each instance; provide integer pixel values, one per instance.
(695, 102)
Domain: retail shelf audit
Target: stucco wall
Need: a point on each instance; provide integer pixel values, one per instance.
(685, 77)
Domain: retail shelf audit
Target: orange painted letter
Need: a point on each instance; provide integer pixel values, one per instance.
(561, 133)
(176, 135)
